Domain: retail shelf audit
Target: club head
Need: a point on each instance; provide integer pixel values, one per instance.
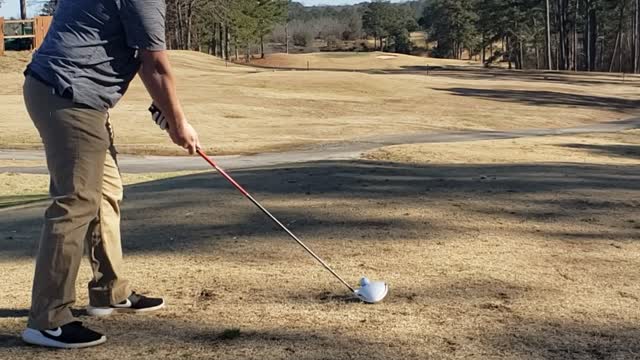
(372, 292)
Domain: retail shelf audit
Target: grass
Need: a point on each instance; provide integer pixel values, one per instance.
(230, 334)
(613, 149)
(14, 61)
(495, 258)
(508, 249)
(21, 189)
(11, 201)
(244, 110)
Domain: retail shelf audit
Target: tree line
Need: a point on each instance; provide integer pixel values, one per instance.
(223, 26)
(585, 35)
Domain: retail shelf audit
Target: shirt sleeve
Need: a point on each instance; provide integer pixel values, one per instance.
(144, 23)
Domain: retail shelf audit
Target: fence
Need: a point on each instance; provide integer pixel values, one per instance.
(39, 24)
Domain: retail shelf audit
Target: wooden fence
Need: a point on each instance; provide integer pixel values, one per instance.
(40, 25)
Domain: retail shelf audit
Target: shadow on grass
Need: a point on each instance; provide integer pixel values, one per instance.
(527, 338)
(13, 313)
(541, 339)
(479, 73)
(166, 338)
(11, 201)
(622, 151)
(547, 98)
(188, 212)
(584, 79)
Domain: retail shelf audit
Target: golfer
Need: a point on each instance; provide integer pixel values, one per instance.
(93, 50)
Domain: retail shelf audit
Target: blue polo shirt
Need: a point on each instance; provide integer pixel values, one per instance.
(90, 53)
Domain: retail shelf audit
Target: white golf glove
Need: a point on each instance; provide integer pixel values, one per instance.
(158, 117)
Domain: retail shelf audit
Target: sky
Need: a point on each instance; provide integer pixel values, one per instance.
(11, 8)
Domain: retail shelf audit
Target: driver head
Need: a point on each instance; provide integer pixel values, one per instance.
(372, 292)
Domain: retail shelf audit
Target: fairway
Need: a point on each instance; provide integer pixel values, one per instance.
(523, 248)
(240, 109)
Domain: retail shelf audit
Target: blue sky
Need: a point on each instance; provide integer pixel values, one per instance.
(12, 7)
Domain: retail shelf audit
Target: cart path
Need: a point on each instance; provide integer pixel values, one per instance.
(345, 150)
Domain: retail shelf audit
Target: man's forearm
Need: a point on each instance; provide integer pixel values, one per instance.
(157, 76)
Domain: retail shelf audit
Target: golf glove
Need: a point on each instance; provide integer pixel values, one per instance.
(158, 117)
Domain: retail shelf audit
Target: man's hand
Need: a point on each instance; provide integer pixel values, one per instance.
(185, 136)
(157, 76)
(182, 133)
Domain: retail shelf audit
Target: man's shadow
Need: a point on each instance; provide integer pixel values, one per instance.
(24, 313)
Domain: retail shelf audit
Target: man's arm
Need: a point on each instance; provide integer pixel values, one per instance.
(157, 76)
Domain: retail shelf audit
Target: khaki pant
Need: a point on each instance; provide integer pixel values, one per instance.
(86, 189)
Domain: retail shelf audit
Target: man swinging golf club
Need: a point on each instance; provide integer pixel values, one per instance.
(93, 50)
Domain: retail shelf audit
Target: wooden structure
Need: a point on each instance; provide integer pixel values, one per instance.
(39, 24)
(1, 36)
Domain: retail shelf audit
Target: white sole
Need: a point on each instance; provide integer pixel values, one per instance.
(101, 312)
(35, 337)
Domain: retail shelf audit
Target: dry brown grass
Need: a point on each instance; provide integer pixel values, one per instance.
(498, 258)
(364, 61)
(611, 149)
(18, 188)
(14, 61)
(240, 109)
(510, 249)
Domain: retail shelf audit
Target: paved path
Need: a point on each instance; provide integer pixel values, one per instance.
(347, 150)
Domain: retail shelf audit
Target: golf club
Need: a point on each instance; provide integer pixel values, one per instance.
(369, 291)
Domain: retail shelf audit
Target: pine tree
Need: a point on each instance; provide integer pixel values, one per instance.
(452, 24)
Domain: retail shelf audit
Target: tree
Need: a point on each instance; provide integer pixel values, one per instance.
(593, 35)
(268, 13)
(49, 7)
(385, 21)
(636, 30)
(548, 34)
(374, 20)
(452, 24)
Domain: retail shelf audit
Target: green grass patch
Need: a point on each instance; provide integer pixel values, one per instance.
(229, 334)
(9, 201)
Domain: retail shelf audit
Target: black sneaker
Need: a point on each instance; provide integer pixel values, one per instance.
(135, 303)
(70, 336)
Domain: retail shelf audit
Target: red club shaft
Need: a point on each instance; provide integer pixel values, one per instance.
(273, 218)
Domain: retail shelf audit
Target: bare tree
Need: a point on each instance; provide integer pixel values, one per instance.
(548, 35)
(636, 46)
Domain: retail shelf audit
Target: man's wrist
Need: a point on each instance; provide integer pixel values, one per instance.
(179, 121)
